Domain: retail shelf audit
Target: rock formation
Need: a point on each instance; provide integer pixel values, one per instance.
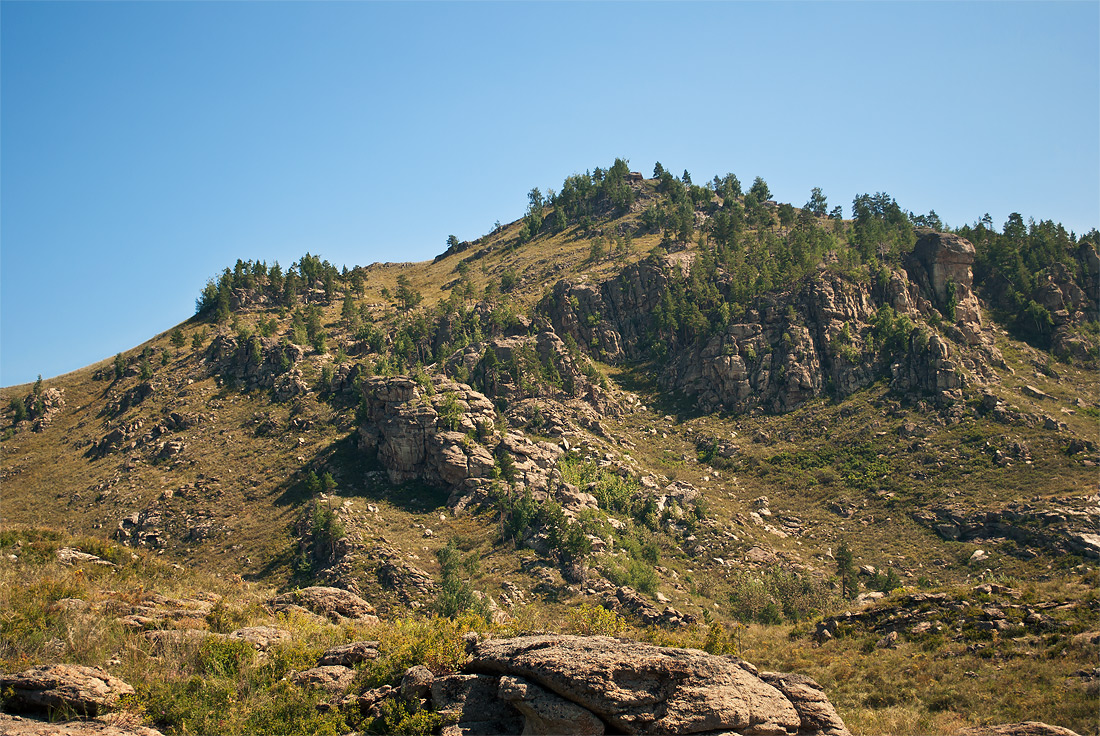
(64, 688)
(570, 684)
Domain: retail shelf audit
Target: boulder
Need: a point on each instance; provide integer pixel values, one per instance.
(63, 688)
(470, 704)
(70, 556)
(1024, 728)
(546, 713)
(641, 688)
(334, 603)
(816, 713)
(348, 655)
(114, 725)
(261, 638)
(416, 682)
(333, 678)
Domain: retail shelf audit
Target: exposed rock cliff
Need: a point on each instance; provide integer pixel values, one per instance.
(828, 335)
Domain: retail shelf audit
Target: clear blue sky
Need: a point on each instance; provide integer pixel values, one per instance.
(145, 146)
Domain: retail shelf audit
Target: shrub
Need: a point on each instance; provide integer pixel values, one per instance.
(589, 620)
(223, 657)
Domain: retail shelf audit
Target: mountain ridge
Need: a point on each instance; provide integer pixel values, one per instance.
(585, 407)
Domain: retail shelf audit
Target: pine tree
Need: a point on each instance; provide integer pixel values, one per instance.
(846, 571)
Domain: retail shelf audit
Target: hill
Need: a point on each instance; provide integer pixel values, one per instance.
(716, 417)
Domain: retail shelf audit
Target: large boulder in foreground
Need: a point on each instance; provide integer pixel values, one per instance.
(644, 689)
(64, 688)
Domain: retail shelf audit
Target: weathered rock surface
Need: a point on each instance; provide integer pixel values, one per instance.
(1063, 529)
(261, 638)
(430, 437)
(333, 678)
(547, 713)
(640, 688)
(817, 714)
(334, 603)
(64, 688)
(113, 725)
(470, 706)
(70, 556)
(349, 655)
(1024, 728)
(795, 345)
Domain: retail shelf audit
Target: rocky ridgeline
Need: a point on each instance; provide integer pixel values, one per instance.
(796, 345)
(1062, 530)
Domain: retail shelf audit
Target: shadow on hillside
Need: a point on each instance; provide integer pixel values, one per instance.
(641, 379)
(357, 474)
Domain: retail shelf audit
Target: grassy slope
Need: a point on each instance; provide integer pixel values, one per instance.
(246, 485)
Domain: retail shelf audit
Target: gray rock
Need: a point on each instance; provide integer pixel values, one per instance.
(640, 688)
(470, 705)
(816, 713)
(64, 688)
(545, 713)
(333, 678)
(416, 682)
(334, 603)
(350, 654)
(116, 724)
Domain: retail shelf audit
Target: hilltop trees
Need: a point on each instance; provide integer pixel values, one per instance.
(881, 231)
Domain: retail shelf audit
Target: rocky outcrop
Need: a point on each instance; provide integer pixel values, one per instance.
(578, 684)
(333, 678)
(519, 367)
(334, 603)
(63, 688)
(941, 267)
(43, 406)
(112, 725)
(349, 655)
(823, 337)
(258, 362)
(446, 435)
(1024, 728)
(628, 601)
(1063, 529)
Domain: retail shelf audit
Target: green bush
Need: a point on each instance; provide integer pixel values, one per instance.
(223, 657)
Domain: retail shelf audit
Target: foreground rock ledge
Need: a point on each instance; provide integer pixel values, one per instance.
(629, 687)
(63, 688)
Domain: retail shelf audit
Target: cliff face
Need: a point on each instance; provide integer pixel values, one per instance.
(919, 326)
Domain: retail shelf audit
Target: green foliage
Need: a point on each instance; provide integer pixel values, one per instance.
(613, 492)
(406, 295)
(450, 412)
(120, 366)
(846, 571)
(881, 230)
(891, 331)
(18, 409)
(177, 338)
(456, 597)
(218, 657)
(587, 620)
(399, 717)
(774, 595)
(635, 573)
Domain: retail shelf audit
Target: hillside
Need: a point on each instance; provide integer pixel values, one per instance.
(862, 450)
